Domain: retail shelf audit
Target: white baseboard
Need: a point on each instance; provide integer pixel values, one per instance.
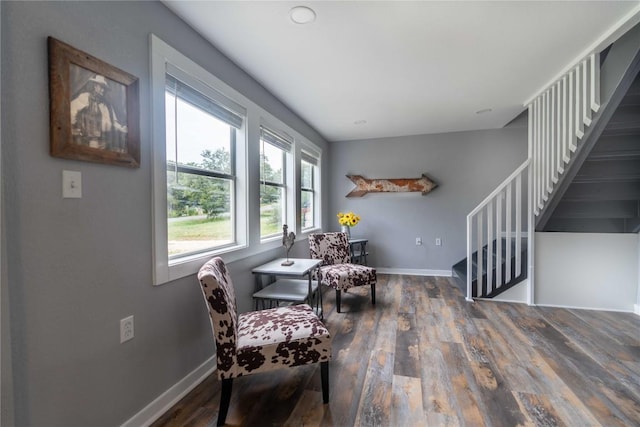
(510, 301)
(636, 309)
(414, 271)
(166, 400)
(572, 307)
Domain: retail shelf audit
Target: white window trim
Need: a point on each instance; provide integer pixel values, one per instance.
(290, 217)
(302, 144)
(164, 269)
(247, 156)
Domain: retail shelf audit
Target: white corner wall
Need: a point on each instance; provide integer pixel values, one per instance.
(587, 270)
(516, 294)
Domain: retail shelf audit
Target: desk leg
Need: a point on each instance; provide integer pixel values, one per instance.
(310, 290)
(320, 299)
(364, 253)
(258, 286)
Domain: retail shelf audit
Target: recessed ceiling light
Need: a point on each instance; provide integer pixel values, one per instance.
(302, 15)
(484, 111)
(359, 122)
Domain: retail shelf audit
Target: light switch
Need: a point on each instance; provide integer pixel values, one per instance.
(71, 184)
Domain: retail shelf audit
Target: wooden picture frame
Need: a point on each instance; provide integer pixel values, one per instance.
(94, 108)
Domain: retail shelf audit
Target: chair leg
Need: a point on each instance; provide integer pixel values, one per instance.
(338, 300)
(373, 294)
(225, 398)
(324, 374)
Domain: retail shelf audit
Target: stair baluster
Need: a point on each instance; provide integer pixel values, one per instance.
(557, 120)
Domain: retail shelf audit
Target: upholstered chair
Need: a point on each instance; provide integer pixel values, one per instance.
(336, 270)
(259, 341)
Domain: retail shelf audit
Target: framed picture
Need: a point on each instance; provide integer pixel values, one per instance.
(94, 108)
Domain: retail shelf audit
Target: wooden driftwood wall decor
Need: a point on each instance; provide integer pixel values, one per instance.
(364, 186)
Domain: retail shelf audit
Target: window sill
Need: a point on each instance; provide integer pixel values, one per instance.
(272, 238)
(188, 266)
(306, 233)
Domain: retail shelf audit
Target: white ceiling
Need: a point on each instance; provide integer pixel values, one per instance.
(406, 68)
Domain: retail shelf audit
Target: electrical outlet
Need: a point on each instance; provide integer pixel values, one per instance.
(126, 329)
(418, 241)
(438, 241)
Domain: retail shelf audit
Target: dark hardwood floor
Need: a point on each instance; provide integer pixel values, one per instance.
(425, 357)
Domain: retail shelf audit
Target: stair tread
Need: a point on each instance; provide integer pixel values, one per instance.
(459, 271)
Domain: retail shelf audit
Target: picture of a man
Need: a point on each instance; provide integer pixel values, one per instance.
(94, 120)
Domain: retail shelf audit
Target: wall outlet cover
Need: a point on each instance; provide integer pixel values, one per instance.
(126, 329)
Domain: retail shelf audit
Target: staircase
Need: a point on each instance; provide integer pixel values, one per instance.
(604, 195)
(490, 284)
(582, 173)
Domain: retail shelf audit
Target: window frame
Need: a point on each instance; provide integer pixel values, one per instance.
(164, 57)
(310, 190)
(310, 154)
(282, 141)
(247, 194)
(194, 170)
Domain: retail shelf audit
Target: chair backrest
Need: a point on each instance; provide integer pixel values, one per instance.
(218, 292)
(331, 248)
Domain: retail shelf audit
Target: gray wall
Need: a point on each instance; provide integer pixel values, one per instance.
(6, 380)
(75, 267)
(464, 166)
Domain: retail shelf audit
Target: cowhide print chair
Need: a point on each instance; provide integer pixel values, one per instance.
(336, 270)
(260, 341)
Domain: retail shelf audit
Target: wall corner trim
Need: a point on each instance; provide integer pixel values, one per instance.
(414, 271)
(166, 400)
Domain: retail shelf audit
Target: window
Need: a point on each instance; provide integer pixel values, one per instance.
(201, 139)
(199, 165)
(308, 179)
(274, 148)
(205, 199)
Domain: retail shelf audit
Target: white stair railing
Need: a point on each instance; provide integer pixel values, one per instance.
(497, 223)
(557, 120)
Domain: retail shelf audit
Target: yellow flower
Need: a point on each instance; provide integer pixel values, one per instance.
(348, 218)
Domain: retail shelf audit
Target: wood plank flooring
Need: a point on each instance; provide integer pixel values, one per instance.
(423, 356)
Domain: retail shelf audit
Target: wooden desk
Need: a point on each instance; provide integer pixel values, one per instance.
(288, 284)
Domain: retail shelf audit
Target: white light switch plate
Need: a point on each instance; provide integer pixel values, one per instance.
(71, 184)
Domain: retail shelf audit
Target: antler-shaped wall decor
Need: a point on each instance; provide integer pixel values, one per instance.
(364, 186)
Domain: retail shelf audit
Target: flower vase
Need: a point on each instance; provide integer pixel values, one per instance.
(347, 229)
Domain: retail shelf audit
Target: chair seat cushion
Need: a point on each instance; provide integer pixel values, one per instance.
(345, 276)
(280, 337)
